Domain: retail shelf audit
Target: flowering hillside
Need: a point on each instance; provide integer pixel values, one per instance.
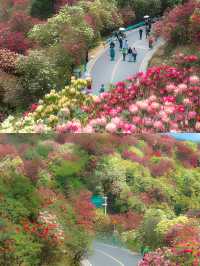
(152, 184)
(164, 99)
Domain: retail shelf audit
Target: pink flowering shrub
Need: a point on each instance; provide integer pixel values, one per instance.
(160, 257)
(164, 99)
(7, 150)
(176, 25)
(183, 247)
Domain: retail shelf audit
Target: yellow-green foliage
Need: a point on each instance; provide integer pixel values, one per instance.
(166, 224)
(137, 151)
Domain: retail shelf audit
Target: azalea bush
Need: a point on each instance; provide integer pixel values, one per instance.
(164, 99)
(39, 224)
(178, 25)
(46, 186)
(183, 241)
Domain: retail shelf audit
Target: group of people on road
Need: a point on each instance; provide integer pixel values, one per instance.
(125, 49)
(148, 26)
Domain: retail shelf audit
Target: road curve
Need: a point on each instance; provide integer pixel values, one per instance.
(107, 255)
(103, 71)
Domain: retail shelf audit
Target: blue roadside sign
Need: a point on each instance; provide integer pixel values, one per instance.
(97, 200)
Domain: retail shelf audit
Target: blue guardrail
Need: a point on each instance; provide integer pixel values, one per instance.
(135, 26)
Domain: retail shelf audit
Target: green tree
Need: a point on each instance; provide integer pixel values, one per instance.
(42, 9)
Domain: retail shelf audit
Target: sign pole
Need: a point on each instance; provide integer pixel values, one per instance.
(105, 205)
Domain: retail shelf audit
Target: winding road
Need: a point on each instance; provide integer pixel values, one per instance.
(107, 255)
(103, 71)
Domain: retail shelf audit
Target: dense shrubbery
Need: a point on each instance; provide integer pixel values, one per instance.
(59, 44)
(46, 214)
(180, 25)
(65, 42)
(166, 98)
(39, 225)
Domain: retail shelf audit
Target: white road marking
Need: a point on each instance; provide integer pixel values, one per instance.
(118, 63)
(111, 257)
(121, 248)
(102, 52)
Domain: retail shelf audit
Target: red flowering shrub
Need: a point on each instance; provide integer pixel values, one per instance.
(84, 210)
(45, 232)
(31, 168)
(133, 157)
(146, 198)
(14, 41)
(187, 155)
(176, 22)
(128, 221)
(21, 22)
(8, 60)
(163, 99)
(161, 168)
(7, 149)
(181, 24)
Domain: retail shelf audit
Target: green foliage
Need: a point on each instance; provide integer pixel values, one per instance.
(63, 26)
(22, 191)
(42, 9)
(37, 75)
(43, 150)
(170, 3)
(27, 251)
(148, 234)
(144, 7)
(137, 151)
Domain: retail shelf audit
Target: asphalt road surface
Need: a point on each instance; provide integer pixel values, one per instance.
(103, 71)
(106, 255)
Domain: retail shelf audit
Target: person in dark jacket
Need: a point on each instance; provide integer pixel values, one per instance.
(112, 44)
(130, 54)
(147, 32)
(140, 33)
(112, 53)
(102, 89)
(120, 43)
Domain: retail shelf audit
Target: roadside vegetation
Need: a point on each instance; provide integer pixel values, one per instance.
(42, 43)
(46, 185)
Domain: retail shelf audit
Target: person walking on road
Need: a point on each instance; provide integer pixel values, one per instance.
(134, 53)
(130, 54)
(125, 49)
(112, 44)
(124, 53)
(120, 43)
(125, 45)
(147, 32)
(102, 89)
(140, 33)
(112, 53)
